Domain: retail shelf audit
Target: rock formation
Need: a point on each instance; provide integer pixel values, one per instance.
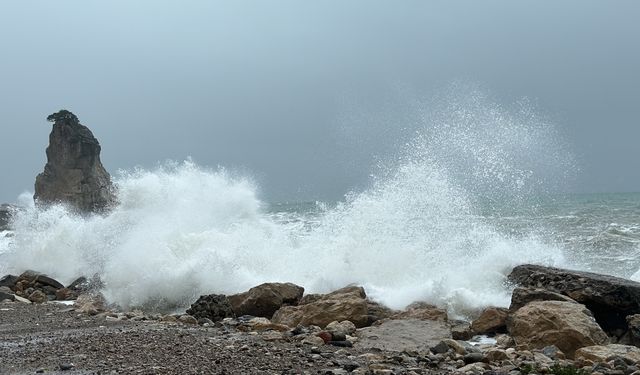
(609, 298)
(73, 174)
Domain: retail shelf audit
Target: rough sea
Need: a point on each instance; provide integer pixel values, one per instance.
(467, 196)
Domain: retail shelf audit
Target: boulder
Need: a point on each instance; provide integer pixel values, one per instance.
(521, 296)
(265, 299)
(403, 335)
(9, 281)
(609, 298)
(422, 310)
(568, 326)
(605, 353)
(344, 304)
(491, 320)
(74, 174)
(213, 306)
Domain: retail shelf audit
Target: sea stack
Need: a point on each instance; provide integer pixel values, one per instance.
(73, 174)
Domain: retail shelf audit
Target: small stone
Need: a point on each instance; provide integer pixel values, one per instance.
(66, 366)
(473, 358)
(441, 348)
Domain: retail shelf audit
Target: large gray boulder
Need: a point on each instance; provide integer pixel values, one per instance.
(73, 174)
(610, 299)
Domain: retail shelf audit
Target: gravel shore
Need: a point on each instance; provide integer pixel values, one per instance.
(51, 337)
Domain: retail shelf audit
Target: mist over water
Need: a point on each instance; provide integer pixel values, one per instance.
(419, 232)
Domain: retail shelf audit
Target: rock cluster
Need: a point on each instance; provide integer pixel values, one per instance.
(543, 332)
(35, 287)
(74, 174)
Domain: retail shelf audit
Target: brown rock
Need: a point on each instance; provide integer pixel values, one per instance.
(605, 353)
(343, 304)
(265, 299)
(38, 297)
(491, 320)
(422, 310)
(566, 325)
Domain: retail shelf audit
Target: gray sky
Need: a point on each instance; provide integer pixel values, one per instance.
(270, 86)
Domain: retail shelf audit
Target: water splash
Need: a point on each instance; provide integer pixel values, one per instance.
(415, 234)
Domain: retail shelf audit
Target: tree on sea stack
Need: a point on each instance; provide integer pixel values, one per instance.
(73, 174)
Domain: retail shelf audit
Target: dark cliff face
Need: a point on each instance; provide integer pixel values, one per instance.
(73, 174)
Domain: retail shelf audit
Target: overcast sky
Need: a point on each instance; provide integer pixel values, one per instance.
(269, 87)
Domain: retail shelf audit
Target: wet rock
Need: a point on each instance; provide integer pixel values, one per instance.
(609, 298)
(343, 304)
(568, 326)
(213, 306)
(265, 299)
(74, 174)
(491, 320)
(422, 310)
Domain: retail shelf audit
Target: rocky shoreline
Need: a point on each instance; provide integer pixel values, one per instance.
(559, 322)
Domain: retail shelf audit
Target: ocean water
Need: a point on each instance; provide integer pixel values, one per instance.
(468, 195)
